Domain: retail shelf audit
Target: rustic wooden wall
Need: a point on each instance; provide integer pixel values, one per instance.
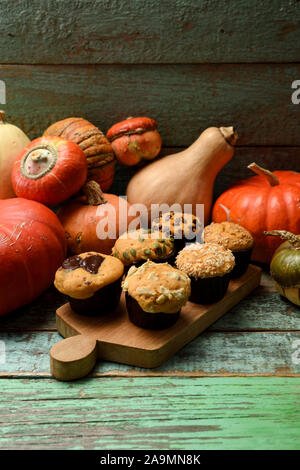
(188, 64)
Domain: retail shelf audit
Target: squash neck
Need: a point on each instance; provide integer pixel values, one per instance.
(212, 162)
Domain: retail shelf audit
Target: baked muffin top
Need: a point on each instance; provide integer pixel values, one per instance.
(177, 225)
(202, 260)
(81, 276)
(230, 235)
(141, 244)
(158, 287)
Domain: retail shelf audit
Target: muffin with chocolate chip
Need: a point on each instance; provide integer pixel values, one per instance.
(134, 248)
(209, 267)
(155, 294)
(234, 237)
(183, 227)
(92, 281)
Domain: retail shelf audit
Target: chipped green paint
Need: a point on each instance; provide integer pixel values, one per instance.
(211, 354)
(150, 413)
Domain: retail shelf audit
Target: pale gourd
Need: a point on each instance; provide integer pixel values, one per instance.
(186, 177)
(12, 141)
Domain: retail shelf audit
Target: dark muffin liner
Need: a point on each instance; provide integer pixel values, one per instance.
(104, 301)
(209, 290)
(149, 321)
(242, 261)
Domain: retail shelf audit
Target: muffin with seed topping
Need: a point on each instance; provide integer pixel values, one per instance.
(155, 293)
(183, 227)
(92, 282)
(209, 266)
(234, 237)
(136, 247)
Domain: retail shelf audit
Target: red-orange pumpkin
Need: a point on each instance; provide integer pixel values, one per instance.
(32, 247)
(85, 217)
(268, 201)
(49, 170)
(135, 139)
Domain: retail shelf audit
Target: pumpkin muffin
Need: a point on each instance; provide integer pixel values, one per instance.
(234, 237)
(183, 227)
(155, 294)
(92, 281)
(137, 246)
(209, 265)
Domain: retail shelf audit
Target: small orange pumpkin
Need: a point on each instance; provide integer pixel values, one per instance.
(268, 201)
(135, 139)
(97, 149)
(85, 220)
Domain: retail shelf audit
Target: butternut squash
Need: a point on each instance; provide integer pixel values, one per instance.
(186, 177)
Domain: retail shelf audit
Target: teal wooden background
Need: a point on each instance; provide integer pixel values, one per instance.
(188, 64)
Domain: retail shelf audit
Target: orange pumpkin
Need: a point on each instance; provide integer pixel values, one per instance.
(268, 201)
(88, 218)
(32, 247)
(135, 139)
(97, 149)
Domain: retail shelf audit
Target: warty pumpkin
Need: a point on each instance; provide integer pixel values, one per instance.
(12, 141)
(83, 217)
(32, 247)
(186, 177)
(97, 149)
(268, 201)
(135, 139)
(285, 265)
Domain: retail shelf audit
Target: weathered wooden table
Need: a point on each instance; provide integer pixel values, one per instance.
(189, 64)
(236, 386)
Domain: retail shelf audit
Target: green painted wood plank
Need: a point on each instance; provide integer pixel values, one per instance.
(263, 309)
(211, 354)
(185, 99)
(140, 31)
(274, 158)
(150, 413)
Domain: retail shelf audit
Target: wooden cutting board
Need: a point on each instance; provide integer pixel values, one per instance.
(114, 338)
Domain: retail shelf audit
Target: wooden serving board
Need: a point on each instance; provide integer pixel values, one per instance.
(114, 338)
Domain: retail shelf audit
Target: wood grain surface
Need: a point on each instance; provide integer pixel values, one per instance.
(184, 99)
(188, 64)
(210, 354)
(149, 31)
(151, 413)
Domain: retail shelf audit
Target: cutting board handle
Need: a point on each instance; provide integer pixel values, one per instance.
(73, 358)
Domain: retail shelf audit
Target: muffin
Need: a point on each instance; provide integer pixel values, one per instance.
(134, 248)
(183, 227)
(155, 294)
(92, 281)
(209, 266)
(234, 237)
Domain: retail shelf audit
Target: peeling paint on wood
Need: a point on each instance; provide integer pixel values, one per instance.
(211, 354)
(157, 413)
(140, 31)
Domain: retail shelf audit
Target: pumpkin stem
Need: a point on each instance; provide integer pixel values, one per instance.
(291, 237)
(229, 134)
(2, 115)
(93, 193)
(270, 177)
